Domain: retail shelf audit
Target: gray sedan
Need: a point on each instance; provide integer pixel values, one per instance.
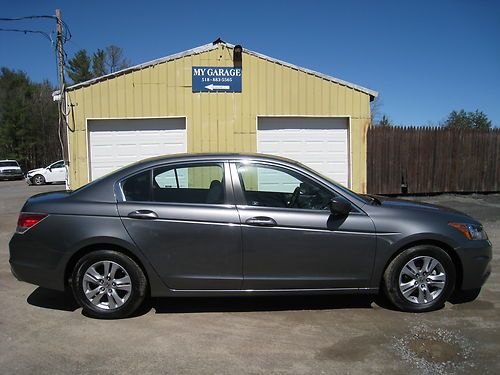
(233, 224)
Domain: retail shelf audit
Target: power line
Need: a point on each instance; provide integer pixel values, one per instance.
(31, 32)
(26, 18)
(67, 31)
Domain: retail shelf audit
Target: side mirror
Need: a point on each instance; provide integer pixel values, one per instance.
(339, 206)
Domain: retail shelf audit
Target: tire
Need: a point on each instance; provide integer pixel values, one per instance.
(117, 296)
(463, 296)
(422, 291)
(38, 180)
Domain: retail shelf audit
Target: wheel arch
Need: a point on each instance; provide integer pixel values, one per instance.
(100, 246)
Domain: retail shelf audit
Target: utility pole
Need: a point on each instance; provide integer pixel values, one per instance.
(63, 136)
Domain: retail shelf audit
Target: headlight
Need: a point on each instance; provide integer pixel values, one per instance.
(470, 231)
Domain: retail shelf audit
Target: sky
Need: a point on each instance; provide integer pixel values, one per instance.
(425, 58)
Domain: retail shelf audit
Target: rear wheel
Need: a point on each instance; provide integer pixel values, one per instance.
(38, 179)
(420, 279)
(108, 284)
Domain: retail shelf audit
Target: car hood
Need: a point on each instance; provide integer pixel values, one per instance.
(36, 170)
(421, 206)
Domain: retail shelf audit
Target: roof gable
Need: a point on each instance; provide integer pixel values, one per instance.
(212, 46)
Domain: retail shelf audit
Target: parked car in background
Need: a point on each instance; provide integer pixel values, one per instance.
(233, 224)
(55, 172)
(10, 170)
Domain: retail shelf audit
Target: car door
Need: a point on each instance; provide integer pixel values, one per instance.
(56, 172)
(290, 238)
(182, 217)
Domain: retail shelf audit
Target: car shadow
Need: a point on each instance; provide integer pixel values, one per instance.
(64, 301)
(52, 299)
(260, 303)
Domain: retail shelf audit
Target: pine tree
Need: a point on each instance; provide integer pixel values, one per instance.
(467, 120)
(79, 67)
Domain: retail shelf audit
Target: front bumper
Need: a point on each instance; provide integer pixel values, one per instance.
(11, 176)
(476, 264)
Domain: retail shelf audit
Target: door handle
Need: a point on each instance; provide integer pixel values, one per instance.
(262, 221)
(143, 214)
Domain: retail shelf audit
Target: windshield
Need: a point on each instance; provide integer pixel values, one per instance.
(57, 164)
(9, 164)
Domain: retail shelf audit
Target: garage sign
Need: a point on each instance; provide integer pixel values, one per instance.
(216, 79)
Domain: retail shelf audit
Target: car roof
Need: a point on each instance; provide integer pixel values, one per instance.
(214, 156)
(9, 160)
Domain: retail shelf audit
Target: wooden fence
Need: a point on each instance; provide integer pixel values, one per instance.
(432, 160)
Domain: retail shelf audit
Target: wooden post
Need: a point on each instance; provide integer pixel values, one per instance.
(63, 134)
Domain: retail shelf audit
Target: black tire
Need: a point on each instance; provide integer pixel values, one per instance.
(393, 271)
(38, 179)
(136, 295)
(464, 296)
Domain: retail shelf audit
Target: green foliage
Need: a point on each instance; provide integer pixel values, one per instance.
(28, 120)
(82, 67)
(467, 120)
(79, 67)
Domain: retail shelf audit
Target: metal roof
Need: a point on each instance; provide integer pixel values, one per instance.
(212, 46)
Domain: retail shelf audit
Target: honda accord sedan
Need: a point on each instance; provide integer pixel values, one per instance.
(233, 224)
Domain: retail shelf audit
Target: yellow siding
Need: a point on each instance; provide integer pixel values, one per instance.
(218, 122)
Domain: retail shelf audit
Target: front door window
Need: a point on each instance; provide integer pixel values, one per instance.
(270, 186)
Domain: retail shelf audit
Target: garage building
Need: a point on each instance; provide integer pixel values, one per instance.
(218, 98)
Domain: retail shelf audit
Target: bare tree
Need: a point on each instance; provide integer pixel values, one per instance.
(376, 110)
(115, 60)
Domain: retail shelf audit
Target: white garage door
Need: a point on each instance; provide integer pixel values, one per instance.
(116, 143)
(320, 143)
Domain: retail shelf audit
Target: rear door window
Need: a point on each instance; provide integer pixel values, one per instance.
(203, 183)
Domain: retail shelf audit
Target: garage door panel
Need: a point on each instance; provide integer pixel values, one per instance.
(116, 143)
(320, 143)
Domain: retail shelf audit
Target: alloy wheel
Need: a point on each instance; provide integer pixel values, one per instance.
(422, 280)
(107, 285)
(38, 180)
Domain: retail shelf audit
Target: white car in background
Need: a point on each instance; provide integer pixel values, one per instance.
(55, 172)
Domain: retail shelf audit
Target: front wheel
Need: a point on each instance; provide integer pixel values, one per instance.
(420, 279)
(38, 179)
(108, 284)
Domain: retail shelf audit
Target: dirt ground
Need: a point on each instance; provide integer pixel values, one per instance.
(44, 332)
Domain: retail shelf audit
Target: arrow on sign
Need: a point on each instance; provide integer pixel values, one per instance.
(212, 87)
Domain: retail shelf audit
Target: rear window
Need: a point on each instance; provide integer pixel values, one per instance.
(138, 187)
(189, 184)
(200, 183)
(9, 164)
